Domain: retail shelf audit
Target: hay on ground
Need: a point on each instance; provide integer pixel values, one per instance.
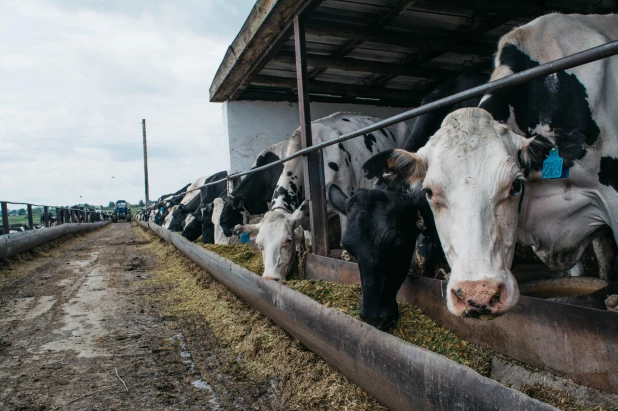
(255, 345)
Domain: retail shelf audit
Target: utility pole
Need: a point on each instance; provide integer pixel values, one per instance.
(145, 162)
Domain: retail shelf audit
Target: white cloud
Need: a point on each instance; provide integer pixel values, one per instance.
(81, 74)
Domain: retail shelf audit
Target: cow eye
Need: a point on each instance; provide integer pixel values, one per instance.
(428, 192)
(516, 187)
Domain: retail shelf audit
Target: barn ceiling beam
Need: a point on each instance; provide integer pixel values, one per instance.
(267, 28)
(433, 43)
(350, 90)
(251, 94)
(366, 66)
(483, 27)
(381, 22)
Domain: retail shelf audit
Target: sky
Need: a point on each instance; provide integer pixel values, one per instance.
(77, 78)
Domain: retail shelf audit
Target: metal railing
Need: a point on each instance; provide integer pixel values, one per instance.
(574, 60)
(63, 215)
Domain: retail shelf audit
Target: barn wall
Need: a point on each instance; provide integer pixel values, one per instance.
(252, 126)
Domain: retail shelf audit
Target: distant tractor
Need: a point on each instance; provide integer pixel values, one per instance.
(122, 211)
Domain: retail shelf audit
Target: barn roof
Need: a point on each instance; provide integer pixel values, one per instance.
(380, 52)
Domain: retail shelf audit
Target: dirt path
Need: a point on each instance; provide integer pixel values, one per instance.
(68, 324)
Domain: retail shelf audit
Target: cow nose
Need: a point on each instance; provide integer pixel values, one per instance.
(473, 298)
(271, 277)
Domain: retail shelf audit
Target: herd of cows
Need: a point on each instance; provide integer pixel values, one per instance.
(468, 182)
(76, 214)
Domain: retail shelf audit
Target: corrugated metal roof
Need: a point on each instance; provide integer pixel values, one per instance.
(389, 52)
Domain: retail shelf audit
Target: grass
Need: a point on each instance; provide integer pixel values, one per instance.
(258, 347)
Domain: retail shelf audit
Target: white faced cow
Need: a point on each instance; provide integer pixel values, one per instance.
(342, 166)
(484, 180)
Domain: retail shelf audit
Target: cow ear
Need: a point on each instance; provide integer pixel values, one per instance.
(239, 202)
(404, 164)
(338, 199)
(301, 215)
(532, 153)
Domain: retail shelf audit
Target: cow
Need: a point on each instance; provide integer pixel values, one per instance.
(274, 235)
(187, 205)
(255, 191)
(219, 235)
(381, 234)
(194, 223)
(52, 219)
(376, 216)
(483, 170)
(168, 219)
(428, 250)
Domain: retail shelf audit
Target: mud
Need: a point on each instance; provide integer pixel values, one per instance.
(77, 324)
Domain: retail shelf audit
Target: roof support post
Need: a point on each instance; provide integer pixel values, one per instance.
(313, 163)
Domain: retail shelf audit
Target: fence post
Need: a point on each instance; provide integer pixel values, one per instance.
(58, 222)
(30, 219)
(5, 218)
(46, 216)
(313, 163)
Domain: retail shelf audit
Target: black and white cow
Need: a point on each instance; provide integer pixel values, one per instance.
(483, 179)
(198, 222)
(255, 191)
(187, 205)
(274, 235)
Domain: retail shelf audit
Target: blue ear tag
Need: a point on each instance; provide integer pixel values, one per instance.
(245, 238)
(552, 166)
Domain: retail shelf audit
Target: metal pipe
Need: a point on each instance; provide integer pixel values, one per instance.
(578, 59)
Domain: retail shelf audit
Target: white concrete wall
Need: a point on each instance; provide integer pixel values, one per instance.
(252, 126)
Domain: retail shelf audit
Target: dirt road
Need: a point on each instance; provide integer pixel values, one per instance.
(77, 326)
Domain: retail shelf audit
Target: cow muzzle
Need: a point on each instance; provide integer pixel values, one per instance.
(474, 298)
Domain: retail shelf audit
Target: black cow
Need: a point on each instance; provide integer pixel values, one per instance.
(255, 191)
(181, 212)
(381, 233)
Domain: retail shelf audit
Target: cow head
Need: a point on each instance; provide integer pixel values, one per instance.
(178, 216)
(275, 238)
(208, 228)
(232, 214)
(381, 232)
(192, 226)
(473, 173)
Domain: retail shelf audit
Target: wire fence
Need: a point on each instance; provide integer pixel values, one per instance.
(578, 59)
(49, 215)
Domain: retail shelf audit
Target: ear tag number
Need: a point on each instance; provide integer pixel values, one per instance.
(552, 166)
(245, 238)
